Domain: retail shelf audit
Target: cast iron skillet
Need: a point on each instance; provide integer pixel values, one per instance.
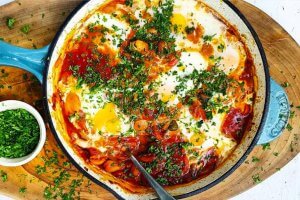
(268, 128)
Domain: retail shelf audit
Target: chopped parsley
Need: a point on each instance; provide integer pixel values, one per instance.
(25, 29)
(256, 178)
(162, 181)
(10, 22)
(289, 127)
(292, 114)
(285, 84)
(266, 146)
(189, 30)
(3, 176)
(22, 190)
(255, 159)
(19, 133)
(221, 47)
(208, 38)
(275, 153)
(129, 3)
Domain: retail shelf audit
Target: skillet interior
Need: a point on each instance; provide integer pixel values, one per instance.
(234, 17)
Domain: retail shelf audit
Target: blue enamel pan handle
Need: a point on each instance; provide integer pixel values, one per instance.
(277, 114)
(32, 60)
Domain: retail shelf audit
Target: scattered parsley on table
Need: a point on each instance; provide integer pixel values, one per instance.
(10, 22)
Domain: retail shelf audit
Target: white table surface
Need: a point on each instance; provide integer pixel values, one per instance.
(285, 184)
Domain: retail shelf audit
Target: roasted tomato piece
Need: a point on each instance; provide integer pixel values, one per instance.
(130, 174)
(96, 157)
(172, 140)
(176, 166)
(234, 123)
(195, 34)
(147, 158)
(173, 60)
(149, 114)
(197, 111)
(209, 161)
(122, 147)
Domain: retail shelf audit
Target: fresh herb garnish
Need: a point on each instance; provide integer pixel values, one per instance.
(275, 153)
(10, 22)
(189, 30)
(285, 84)
(19, 133)
(3, 176)
(22, 190)
(255, 159)
(25, 29)
(256, 178)
(208, 38)
(289, 127)
(266, 146)
(221, 47)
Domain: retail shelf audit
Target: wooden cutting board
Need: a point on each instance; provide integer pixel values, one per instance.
(45, 17)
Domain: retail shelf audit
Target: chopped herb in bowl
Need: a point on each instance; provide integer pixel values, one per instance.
(19, 133)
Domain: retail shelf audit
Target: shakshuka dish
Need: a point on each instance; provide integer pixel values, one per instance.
(169, 81)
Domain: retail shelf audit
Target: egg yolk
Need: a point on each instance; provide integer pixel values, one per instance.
(167, 97)
(197, 139)
(181, 68)
(180, 21)
(107, 120)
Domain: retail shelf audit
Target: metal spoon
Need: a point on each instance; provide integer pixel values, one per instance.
(160, 191)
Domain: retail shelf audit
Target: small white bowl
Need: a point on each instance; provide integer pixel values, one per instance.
(12, 105)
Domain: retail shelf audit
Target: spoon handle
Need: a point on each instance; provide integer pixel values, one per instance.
(160, 191)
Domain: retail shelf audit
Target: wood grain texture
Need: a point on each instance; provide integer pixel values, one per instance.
(45, 17)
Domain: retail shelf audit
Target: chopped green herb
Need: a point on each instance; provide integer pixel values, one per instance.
(10, 22)
(189, 30)
(19, 133)
(266, 146)
(162, 181)
(129, 3)
(292, 114)
(22, 190)
(255, 159)
(289, 127)
(221, 47)
(66, 164)
(25, 77)
(256, 178)
(275, 153)
(208, 38)
(285, 84)
(40, 169)
(25, 29)
(3, 176)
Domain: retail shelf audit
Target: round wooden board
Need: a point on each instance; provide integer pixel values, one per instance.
(45, 17)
